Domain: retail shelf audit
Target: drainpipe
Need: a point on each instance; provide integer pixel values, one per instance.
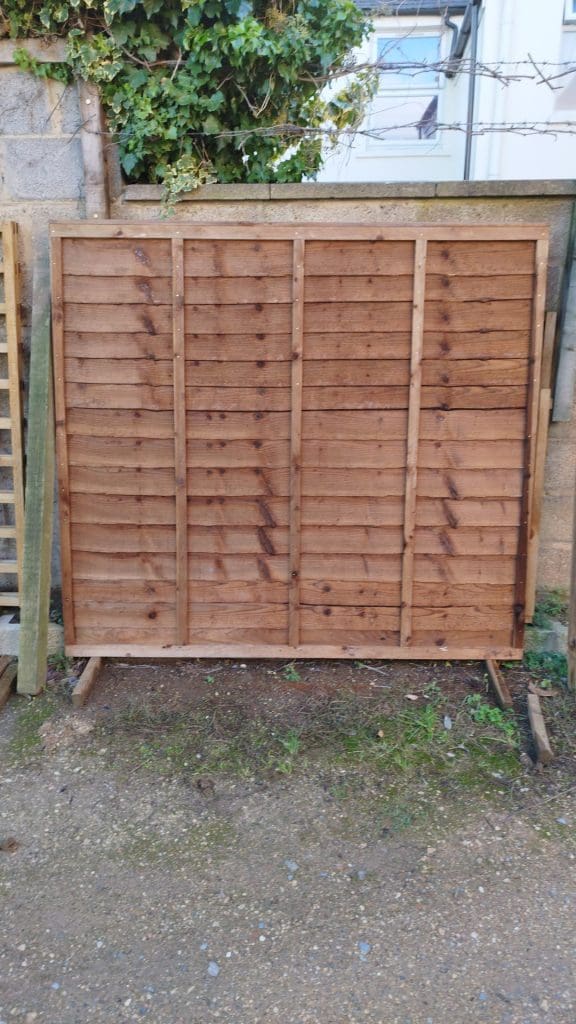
(471, 89)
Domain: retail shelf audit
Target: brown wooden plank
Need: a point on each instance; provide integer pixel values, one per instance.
(128, 509)
(482, 372)
(359, 288)
(501, 424)
(81, 345)
(119, 423)
(479, 258)
(250, 347)
(86, 683)
(478, 287)
(363, 397)
(122, 615)
(461, 618)
(141, 591)
(119, 396)
(354, 317)
(270, 568)
(424, 651)
(238, 540)
(467, 540)
(499, 685)
(241, 257)
(333, 592)
(258, 373)
(356, 373)
(472, 569)
(118, 480)
(322, 635)
(345, 618)
(296, 427)
(472, 483)
(362, 454)
(381, 568)
(355, 425)
(246, 318)
(119, 371)
(478, 344)
(354, 540)
(62, 455)
(151, 638)
(469, 512)
(513, 397)
(536, 501)
(491, 641)
(326, 230)
(471, 454)
(120, 453)
(236, 615)
(380, 344)
(413, 434)
(356, 511)
(233, 290)
(238, 453)
(359, 258)
(502, 315)
(258, 511)
(544, 751)
(530, 431)
(92, 537)
(252, 399)
(239, 592)
(237, 634)
(341, 482)
(106, 319)
(116, 257)
(448, 595)
(153, 291)
(230, 425)
(180, 460)
(236, 482)
(97, 565)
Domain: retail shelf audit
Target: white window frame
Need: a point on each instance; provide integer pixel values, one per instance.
(403, 147)
(570, 11)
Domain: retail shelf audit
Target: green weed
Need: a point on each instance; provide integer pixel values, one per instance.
(547, 666)
(551, 604)
(485, 714)
(291, 673)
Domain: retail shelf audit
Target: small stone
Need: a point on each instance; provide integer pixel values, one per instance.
(447, 722)
(55, 985)
(291, 865)
(213, 969)
(364, 948)
(561, 821)
(361, 875)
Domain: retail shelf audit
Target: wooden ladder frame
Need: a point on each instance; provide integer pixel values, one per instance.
(12, 425)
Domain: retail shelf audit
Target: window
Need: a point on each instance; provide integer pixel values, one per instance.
(405, 109)
(570, 11)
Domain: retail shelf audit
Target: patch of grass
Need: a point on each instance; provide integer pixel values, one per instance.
(486, 714)
(291, 673)
(547, 666)
(33, 712)
(550, 605)
(61, 663)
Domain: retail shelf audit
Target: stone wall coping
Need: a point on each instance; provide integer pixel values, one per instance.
(372, 190)
(45, 52)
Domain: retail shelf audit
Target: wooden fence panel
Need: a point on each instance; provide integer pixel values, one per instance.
(297, 440)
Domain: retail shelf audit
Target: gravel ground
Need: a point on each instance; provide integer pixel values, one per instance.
(141, 896)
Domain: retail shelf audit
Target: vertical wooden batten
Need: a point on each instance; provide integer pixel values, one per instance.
(180, 478)
(420, 246)
(297, 352)
(13, 351)
(532, 409)
(92, 135)
(62, 440)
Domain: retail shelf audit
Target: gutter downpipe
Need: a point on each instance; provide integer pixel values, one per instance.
(471, 90)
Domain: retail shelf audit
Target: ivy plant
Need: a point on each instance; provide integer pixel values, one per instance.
(209, 90)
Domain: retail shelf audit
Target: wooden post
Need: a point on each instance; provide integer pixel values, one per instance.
(539, 731)
(413, 435)
(39, 491)
(181, 486)
(14, 346)
(85, 684)
(296, 442)
(536, 501)
(92, 136)
(572, 610)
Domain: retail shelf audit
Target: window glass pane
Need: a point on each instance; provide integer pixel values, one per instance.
(411, 50)
(403, 119)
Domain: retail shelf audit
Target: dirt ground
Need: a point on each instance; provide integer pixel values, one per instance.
(325, 843)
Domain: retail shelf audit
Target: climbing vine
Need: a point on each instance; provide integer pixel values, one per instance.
(209, 90)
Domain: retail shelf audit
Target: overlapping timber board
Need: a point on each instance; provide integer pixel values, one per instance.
(308, 440)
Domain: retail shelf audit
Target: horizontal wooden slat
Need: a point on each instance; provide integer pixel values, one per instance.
(355, 373)
(358, 637)
(463, 618)
(154, 291)
(119, 396)
(341, 540)
(244, 318)
(471, 512)
(483, 372)
(119, 371)
(349, 618)
(237, 453)
(230, 425)
(360, 288)
(144, 565)
(233, 290)
(242, 258)
(381, 344)
(467, 540)
(249, 399)
(349, 511)
(334, 592)
(117, 257)
(120, 423)
(119, 591)
(124, 615)
(450, 454)
(478, 344)
(513, 397)
(362, 454)
(335, 317)
(465, 316)
(479, 258)
(92, 537)
(501, 424)
(473, 483)
(381, 568)
(120, 480)
(258, 373)
(341, 482)
(355, 425)
(358, 258)
(111, 509)
(362, 397)
(82, 345)
(120, 452)
(317, 231)
(247, 347)
(105, 647)
(483, 287)
(451, 642)
(473, 569)
(100, 319)
(442, 595)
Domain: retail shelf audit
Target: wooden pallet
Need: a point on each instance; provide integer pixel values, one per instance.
(11, 449)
